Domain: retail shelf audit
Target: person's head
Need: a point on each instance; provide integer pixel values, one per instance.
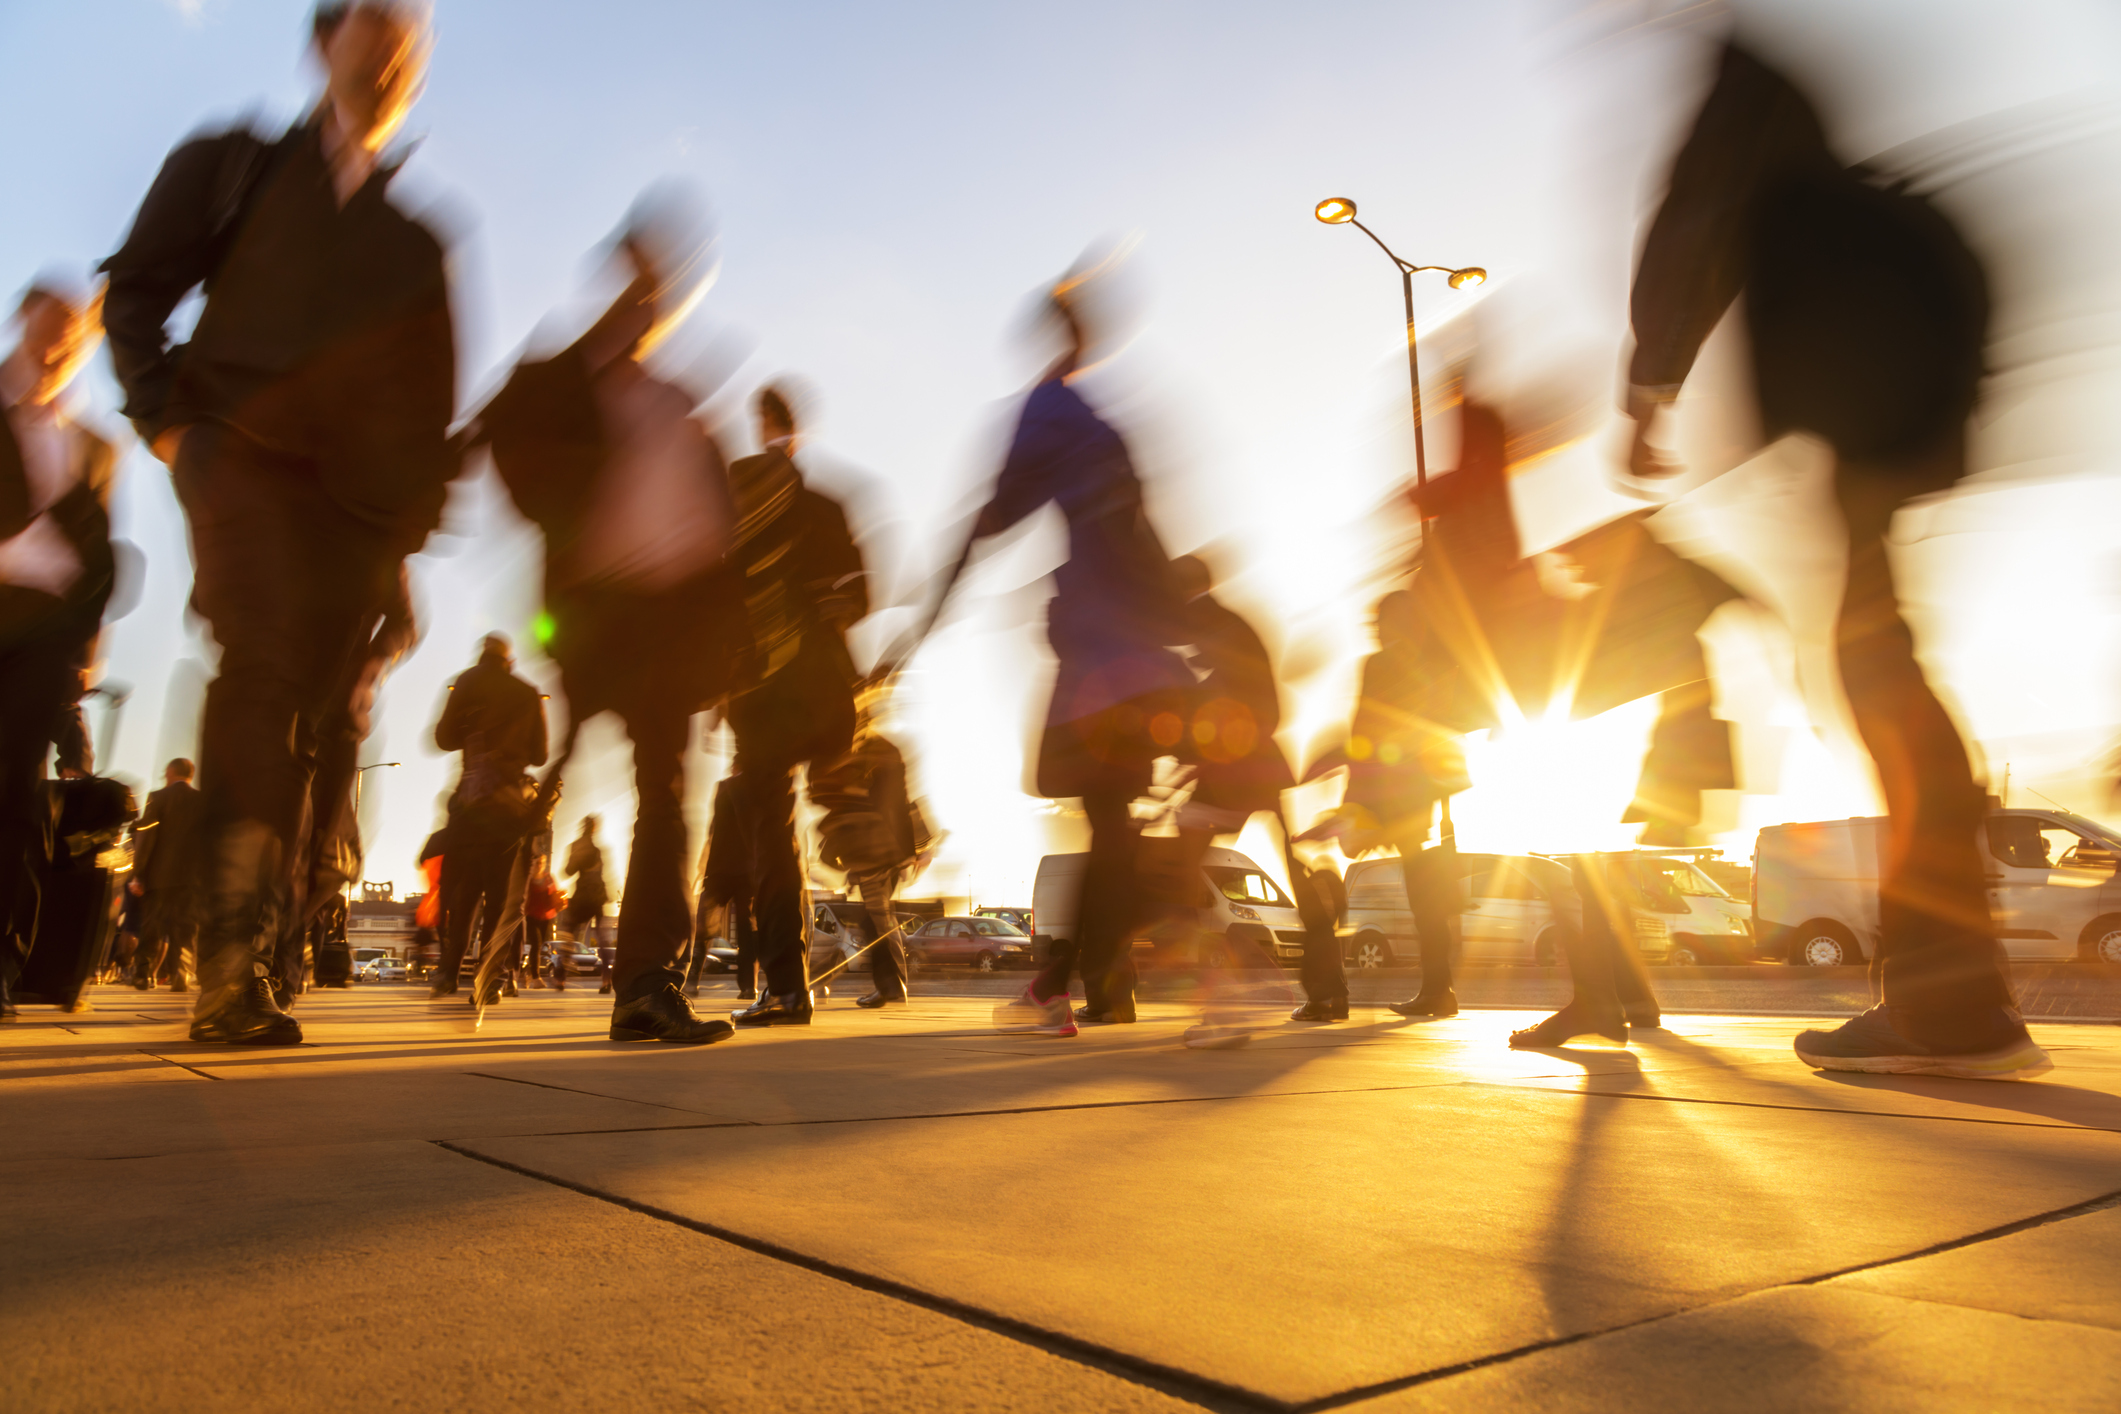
(776, 414)
(61, 325)
(177, 770)
(495, 648)
(374, 54)
(1398, 619)
(666, 249)
(1191, 578)
(589, 825)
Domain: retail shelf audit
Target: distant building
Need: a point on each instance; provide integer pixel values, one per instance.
(385, 922)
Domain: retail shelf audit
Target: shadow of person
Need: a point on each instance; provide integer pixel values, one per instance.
(2068, 1105)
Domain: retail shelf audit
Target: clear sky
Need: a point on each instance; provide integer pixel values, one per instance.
(893, 181)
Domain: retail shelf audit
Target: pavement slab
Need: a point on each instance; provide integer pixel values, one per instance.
(909, 1211)
(1804, 1348)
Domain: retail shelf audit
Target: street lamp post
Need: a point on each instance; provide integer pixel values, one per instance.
(358, 773)
(1340, 211)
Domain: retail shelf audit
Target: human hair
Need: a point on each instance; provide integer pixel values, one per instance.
(772, 405)
(181, 768)
(495, 645)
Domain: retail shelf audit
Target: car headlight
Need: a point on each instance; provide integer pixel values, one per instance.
(1012, 947)
(1250, 915)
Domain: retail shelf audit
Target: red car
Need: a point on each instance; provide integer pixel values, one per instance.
(988, 944)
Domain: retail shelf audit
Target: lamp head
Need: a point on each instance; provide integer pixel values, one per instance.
(1335, 211)
(1471, 275)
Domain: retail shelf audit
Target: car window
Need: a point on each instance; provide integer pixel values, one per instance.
(1241, 885)
(2026, 842)
(936, 929)
(986, 928)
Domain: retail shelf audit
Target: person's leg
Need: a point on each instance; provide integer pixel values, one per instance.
(35, 678)
(1942, 969)
(887, 958)
(1430, 877)
(154, 941)
(1105, 918)
(463, 884)
(655, 919)
(778, 885)
(1588, 924)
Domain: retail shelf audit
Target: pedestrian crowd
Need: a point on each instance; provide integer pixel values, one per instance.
(310, 429)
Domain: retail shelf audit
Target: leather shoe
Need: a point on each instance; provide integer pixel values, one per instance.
(665, 1015)
(1437, 1004)
(441, 990)
(1335, 1010)
(249, 1019)
(1569, 1023)
(792, 1009)
(876, 1000)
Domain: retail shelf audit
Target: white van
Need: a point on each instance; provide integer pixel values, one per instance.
(2050, 875)
(1687, 918)
(1241, 901)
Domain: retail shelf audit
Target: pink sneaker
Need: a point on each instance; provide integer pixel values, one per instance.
(1027, 1015)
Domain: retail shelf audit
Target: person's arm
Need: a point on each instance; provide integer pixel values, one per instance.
(451, 730)
(538, 745)
(169, 252)
(1753, 131)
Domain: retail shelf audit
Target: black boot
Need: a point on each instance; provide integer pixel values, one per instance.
(1333, 1010)
(786, 1009)
(249, 1018)
(1439, 1003)
(665, 1015)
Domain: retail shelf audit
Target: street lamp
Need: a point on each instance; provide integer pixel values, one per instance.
(1340, 211)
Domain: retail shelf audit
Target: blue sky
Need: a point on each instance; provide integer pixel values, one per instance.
(892, 181)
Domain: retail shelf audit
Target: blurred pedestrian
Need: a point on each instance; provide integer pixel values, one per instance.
(874, 831)
(632, 495)
(1867, 314)
(541, 906)
(168, 856)
(584, 915)
(497, 720)
(56, 572)
(1119, 699)
(793, 705)
(725, 881)
(1610, 987)
(306, 427)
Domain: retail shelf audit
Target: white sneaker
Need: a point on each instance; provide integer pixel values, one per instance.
(1028, 1016)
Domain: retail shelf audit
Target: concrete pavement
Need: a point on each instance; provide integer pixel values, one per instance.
(907, 1211)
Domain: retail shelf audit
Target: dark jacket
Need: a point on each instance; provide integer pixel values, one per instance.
(612, 646)
(804, 585)
(498, 721)
(326, 332)
(1866, 310)
(871, 821)
(168, 842)
(83, 516)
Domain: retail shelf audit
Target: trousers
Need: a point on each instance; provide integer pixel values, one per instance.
(37, 678)
(292, 586)
(887, 959)
(475, 896)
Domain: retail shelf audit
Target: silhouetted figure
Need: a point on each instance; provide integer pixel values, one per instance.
(1120, 698)
(168, 855)
(725, 882)
(873, 830)
(632, 495)
(1867, 315)
(1611, 986)
(586, 901)
(306, 428)
(804, 587)
(1239, 771)
(498, 721)
(56, 572)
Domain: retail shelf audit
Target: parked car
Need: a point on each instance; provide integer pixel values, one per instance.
(1507, 915)
(381, 969)
(1020, 919)
(1243, 912)
(988, 944)
(581, 962)
(838, 931)
(2050, 873)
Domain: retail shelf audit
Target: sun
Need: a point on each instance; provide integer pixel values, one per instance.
(1548, 785)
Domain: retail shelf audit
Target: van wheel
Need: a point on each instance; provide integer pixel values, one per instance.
(984, 962)
(1371, 950)
(1822, 943)
(2102, 941)
(1546, 949)
(1686, 952)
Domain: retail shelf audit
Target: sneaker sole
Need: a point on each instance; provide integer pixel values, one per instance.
(2015, 1063)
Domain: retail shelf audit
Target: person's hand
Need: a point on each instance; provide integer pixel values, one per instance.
(167, 442)
(1645, 460)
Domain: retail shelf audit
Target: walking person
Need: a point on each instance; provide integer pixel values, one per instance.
(1120, 695)
(633, 498)
(1867, 314)
(725, 881)
(804, 587)
(541, 906)
(1611, 995)
(56, 572)
(305, 424)
(1239, 771)
(168, 858)
(584, 914)
(874, 831)
(497, 720)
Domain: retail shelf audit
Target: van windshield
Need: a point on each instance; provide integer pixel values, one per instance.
(1241, 885)
(1693, 883)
